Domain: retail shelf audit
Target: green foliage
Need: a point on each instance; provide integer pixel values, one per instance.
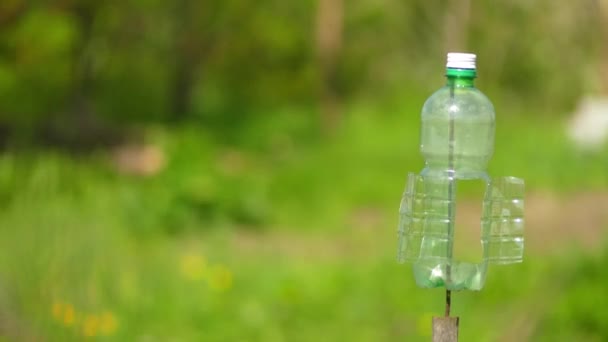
(36, 76)
(258, 227)
(72, 247)
(222, 63)
(90, 252)
(578, 301)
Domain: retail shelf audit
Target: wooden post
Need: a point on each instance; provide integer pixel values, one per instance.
(445, 329)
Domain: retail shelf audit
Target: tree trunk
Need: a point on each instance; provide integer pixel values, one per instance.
(188, 52)
(83, 64)
(79, 128)
(456, 25)
(183, 84)
(10, 14)
(330, 18)
(603, 67)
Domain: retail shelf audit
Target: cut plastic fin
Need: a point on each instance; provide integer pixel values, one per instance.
(406, 229)
(503, 221)
(424, 219)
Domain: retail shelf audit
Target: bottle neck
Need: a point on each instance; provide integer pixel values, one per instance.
(461, 78)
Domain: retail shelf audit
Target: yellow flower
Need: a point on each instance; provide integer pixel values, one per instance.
(220, 278)
(193, 266)
(64, 313)
(57, 311)
(90, 325)
(108, 323)
(68, 315)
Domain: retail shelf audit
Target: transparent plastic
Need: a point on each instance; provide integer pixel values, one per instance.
(457, 142)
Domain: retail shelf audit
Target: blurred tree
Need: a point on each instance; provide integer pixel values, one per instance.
(35, 62)
(188, 52)
(457, 25)
(603, 67)
(80, 124)
(11, 11)
(74, 71)
(330, 14)
(195, 34)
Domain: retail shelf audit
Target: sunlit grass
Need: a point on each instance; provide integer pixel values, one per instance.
(89, 253)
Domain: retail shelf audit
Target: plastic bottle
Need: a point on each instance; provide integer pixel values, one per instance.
(457, 142)
(457, 133)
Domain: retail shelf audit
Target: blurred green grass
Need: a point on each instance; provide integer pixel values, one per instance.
(192, 253)
(260, 227)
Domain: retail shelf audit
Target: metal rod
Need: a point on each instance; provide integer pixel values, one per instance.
(448, 302)
(451, 211)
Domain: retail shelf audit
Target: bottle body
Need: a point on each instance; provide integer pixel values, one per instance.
(457, 142)
(457, 132)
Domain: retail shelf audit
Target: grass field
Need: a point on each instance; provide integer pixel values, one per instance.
(289, 239)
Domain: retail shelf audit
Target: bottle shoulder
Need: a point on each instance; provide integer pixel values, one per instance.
(470, 100)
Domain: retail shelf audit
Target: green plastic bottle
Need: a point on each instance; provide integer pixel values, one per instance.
(457, 131)
(457, 142)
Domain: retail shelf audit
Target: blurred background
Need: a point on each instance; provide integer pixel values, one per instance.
(231, 170)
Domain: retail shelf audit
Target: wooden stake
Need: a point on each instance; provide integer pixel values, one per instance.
(445, 329)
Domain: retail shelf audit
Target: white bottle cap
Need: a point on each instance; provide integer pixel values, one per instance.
(458, 60)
